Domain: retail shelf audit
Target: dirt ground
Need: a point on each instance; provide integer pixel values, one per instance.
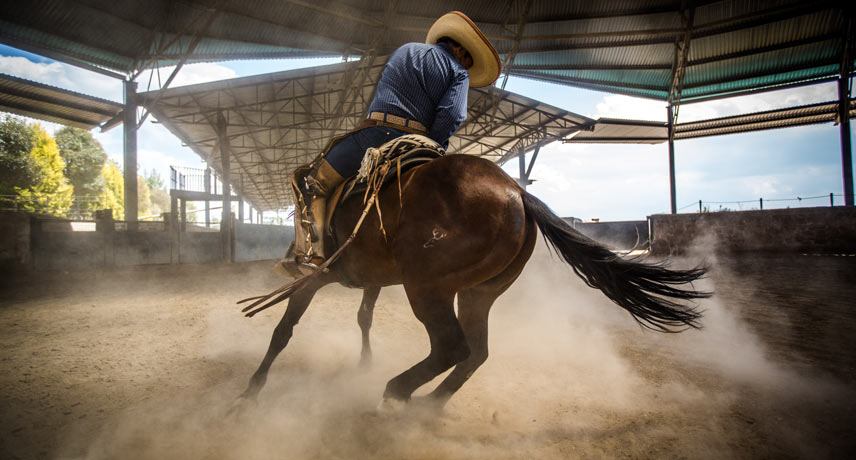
(144, 362)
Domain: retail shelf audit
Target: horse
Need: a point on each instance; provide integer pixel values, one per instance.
(459, 226)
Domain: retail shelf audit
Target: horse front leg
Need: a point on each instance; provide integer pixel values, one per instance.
(364, 319)
(297, 305)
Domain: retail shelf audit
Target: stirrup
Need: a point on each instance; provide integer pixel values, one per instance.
(311, 262)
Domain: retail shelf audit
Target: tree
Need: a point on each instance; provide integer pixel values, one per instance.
(53, 193)
(17, 167)
(154, 181)
(144, 199)
(84, 161)
(157, 192)
(113, 194)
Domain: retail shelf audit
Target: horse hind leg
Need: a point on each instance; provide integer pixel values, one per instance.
(448, 344)
(473, 310)
(474, 306)
(364, 319)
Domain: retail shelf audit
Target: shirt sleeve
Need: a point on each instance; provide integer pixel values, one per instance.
(451, 111)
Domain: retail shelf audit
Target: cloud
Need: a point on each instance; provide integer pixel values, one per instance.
(63, 76)
(631, 108)
(189, 74)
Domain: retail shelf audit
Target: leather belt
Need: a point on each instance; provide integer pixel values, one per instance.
(394, 121)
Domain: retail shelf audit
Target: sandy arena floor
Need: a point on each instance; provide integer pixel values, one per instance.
(143, 362)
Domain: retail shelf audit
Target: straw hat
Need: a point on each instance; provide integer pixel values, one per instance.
(459, 27)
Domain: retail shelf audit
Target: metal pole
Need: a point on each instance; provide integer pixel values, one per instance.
(762, 203)
(671, 128)
(226, 221)
(831, 200)
(699, 206)
(522, 163)
(846, 155)
(207, 202)
(130, 155)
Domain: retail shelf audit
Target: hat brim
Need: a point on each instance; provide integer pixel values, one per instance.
(457, 26)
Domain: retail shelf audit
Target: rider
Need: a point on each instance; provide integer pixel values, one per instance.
(422, 90)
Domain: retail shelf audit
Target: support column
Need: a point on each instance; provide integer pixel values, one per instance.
(130, 159)
(175, 234)
(844, 126)
(225, 164)
(208, 202)
(671, 128)
(522, 163)
(240, 209)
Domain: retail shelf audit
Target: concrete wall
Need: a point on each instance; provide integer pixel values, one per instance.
(811, 230)
(259, 242)
(622, 235)
(200, 248)
(68, 250)
(141, 248)
(50, 244)
(14, 240)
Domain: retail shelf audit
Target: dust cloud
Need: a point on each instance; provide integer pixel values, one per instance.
(570, 375)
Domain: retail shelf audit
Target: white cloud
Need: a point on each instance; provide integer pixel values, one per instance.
(189, 74)
(631, 108)
(63, 76)
(758, 102)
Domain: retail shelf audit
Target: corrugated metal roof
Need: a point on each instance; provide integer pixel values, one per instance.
(624, 46)
(282, 120)
(36, 100)
(618, 131)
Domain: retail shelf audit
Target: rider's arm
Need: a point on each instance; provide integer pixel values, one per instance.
(451, 111)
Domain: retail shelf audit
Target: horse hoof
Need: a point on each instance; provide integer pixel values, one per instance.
(240, 406)
(390, 406)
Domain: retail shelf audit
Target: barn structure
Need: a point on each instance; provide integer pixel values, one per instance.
(253, 131)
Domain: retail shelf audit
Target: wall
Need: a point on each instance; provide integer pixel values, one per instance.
(14, 240)
(64, 250)
(50, 244)
(622, 235)
(259, 242)
(810, 230)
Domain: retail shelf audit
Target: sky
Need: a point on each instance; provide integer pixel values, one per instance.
(789, 167)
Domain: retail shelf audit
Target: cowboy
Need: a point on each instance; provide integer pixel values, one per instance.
(422, 90)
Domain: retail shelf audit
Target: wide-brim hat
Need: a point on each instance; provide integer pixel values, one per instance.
(457, 26)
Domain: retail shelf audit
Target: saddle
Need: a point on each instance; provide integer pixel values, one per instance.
(379, 166)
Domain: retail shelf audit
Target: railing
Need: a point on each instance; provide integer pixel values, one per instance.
(759, 204)
(82, 207)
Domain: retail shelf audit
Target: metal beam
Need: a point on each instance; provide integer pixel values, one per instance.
(844, 92)
(671, 129)
(226, 220)
(130, 154)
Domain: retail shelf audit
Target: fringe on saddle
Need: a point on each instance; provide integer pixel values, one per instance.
(376, 167)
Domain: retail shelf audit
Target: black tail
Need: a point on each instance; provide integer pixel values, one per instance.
(645, 290)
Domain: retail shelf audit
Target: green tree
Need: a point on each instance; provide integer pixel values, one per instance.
(154, 180)
(160, 201)
(157, 192)
(113, 194)
(84, 161)
(17, 167)
(53, 194)
(144, 198)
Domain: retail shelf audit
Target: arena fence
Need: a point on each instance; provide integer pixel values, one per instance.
(47, 243)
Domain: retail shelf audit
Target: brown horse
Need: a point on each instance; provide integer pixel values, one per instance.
(462, 227)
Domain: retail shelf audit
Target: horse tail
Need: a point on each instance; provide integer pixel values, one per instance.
(648, 291)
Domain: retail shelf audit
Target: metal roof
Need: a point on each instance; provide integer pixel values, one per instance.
(48, 103)
(618, 131)
(663, 49)
(282, 120)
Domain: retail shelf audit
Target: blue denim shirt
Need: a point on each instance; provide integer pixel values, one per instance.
(425, 83)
